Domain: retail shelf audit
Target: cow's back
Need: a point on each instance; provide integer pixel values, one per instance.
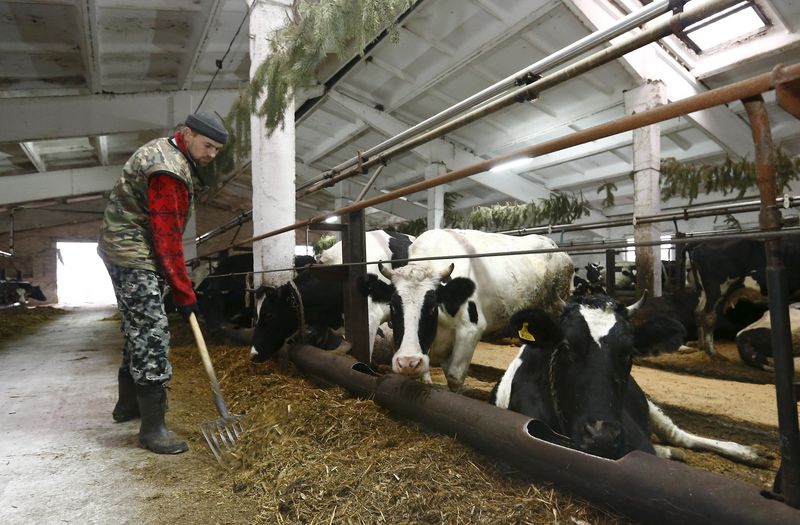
(504, 284)
(378, 248)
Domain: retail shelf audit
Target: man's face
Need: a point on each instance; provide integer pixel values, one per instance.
(201, 148)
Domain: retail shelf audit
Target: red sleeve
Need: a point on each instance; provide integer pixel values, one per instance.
(169, 200)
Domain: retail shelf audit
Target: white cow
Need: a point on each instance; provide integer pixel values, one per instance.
(440, 309)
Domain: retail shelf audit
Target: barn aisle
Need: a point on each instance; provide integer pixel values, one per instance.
(62, 458)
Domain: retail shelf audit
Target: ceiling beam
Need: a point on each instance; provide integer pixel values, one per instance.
(90, 47)
(522, 14)
(204, 23)
(651, 62)
(32, 152)
(15, 189)
(44, 118)
(508, 183)
(399, 207)
(341, 137)
(100, 145)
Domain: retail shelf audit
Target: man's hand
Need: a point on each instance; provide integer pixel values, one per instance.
(186, 310)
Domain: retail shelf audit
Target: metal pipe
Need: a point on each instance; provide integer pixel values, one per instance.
(723, 95)
(778, 296)
(643, 487)
(562, 56)
(687, 213)
(236, 221)
(370, 182)
(656, 31)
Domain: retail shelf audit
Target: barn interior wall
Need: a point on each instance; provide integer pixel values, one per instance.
(35, 253)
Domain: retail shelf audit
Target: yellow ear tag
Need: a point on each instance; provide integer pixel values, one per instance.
(524, 334)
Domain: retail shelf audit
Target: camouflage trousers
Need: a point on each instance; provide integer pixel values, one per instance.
(140, 299)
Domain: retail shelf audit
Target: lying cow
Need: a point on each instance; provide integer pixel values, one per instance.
(322, 299)
(574, 374)
(755, 341)
(726, 270)
(441, 309)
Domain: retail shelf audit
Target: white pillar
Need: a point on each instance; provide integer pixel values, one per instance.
(435, 196)
(647, 191)
(440, 152)
(273, 160)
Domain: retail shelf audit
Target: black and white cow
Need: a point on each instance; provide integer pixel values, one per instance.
(322, 299)
(574, 375)
(754, 342)
(441, 309)
(728, 270)
(19, 291)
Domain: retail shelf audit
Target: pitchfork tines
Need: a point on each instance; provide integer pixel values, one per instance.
(222, 434)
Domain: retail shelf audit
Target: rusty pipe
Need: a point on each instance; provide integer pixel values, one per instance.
(778, 296)
(736, 91)
(641, 486)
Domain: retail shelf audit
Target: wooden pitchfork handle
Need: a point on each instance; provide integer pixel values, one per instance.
(212, 377)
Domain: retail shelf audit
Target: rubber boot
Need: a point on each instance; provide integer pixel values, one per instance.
(127, 407)
(153, 433)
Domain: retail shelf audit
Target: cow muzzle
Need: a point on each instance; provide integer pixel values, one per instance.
(410, 365)
(601, 438)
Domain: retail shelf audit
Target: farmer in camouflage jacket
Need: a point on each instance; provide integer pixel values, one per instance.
(141, 245)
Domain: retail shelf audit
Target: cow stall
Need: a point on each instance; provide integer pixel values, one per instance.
(784, 78)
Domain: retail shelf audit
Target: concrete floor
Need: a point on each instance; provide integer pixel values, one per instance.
(62, 457)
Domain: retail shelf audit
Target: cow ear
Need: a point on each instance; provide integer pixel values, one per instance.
(538, 325)
(657, 335)
(455, 292)
(371, 286)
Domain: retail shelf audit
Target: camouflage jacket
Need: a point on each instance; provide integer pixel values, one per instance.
(125, 236)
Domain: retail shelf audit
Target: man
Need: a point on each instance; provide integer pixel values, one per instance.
(141, 245)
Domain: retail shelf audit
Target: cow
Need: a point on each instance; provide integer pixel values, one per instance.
(573, 373)
(20, 291)
(727, 271)
(441, 309)
(222, 296)
(754, 342)
(322, 299)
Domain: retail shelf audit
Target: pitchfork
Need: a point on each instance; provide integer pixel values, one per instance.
(222, 434)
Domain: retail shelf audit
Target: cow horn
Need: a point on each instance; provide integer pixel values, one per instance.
(385, 271)
(445, 275)
(635, 306)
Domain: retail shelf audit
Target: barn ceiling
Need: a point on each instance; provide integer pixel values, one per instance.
(83, 83)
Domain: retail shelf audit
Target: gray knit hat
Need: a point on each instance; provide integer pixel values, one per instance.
(208, 124)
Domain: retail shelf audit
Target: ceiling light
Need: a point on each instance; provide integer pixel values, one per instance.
(512, 164)
(332, 220)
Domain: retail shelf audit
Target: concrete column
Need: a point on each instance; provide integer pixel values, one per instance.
(435, 196)
(440, 152)
(273, 164)
(647, 196)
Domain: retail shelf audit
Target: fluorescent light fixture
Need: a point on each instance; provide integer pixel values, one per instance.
(512, 164)
(332, 220)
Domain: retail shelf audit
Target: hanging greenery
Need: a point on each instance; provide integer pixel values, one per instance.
(323, 243)
(609, 188)
(730, 176)
(558, 208)
(315, 30)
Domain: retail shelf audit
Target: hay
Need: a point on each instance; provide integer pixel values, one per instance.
(319, 455)
(21, 320)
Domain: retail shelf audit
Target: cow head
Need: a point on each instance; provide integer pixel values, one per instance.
(278, 319)
(588, 352)
(416, 296)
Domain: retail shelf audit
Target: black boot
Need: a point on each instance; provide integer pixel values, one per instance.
(153, 433)
(127, 406)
